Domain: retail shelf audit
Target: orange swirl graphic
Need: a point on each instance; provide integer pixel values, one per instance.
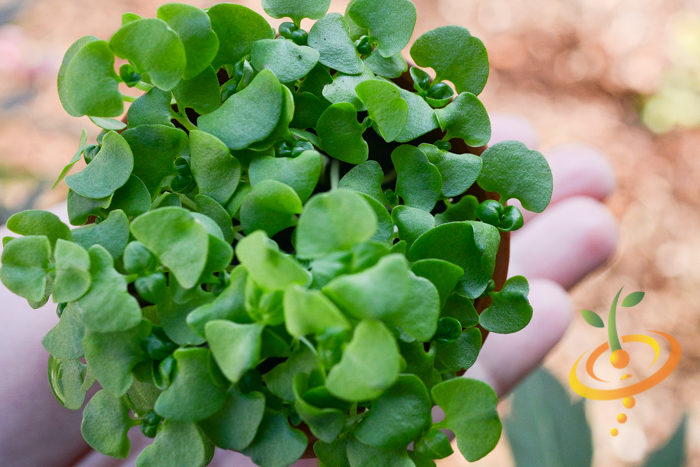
(612, 394)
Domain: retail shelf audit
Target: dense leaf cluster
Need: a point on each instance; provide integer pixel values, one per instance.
(276, 236)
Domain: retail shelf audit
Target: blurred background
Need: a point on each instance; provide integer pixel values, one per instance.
(622, 75)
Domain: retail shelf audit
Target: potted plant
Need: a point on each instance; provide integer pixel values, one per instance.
(290, 246)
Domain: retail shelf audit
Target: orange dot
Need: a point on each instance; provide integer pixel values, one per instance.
(628, 402)
(622, 418)
(614, 432)
(619, 358)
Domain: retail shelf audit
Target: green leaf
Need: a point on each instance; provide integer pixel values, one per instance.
(342, 89)
(433, 444)
(177, 239)
(112, 233)
(281, 131)
(177, 443)
(310, 312)
(411, 222)
(87, 82)
(334, 453)
(200, 92)
(65, 340)
(155, 148)
(633, 299)
(194, 29)
(72, 272)
(592, 318)
(673, 453)
(212, 209)
(470, 412)
(455, 55)
(25, 267)
(466, 118)
(216, 171)
(325, 423)
(235, 347)
(460, 354)
(421, 117)
(76, 157)
(229, 305)
(112, 355)
(421, 310)
(375, 293)
(174, 310)
(514, 171)
(390, 22)
(398, 416)
(108, 171)
(366, 178)
(288, 61)
(460, 308)
(107, 306)
(418, 181)
(80, 207)
(370, 364)
(316, 80)
(108, 123)
(296, 9)
(301, 172)
(248, 116)
(458, 171)
(386, 107)
(341, 134)
(234, 426)
(133, 198)
(238, 28)
(419, 362)
(194, 393)
(307, 110)
(67, 379)
(153, 48)
(385, 225)
(152, 108)
(360, 455)
(469, 245)
(329, 35)
(442, 274)
(105, 425)
(388, 67)
(334, 221)
(36, 222)
(271, 206)
(280, 380)
(276, 444)
(545, 428)
(463, 210)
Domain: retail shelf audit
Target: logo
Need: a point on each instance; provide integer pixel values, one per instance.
(621, 384)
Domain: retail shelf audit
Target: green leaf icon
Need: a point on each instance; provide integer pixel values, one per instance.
(633, 299)
(592, 319)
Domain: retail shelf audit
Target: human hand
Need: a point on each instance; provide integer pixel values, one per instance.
(554, 250)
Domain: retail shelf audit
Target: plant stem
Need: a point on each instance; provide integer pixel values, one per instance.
(613, 338)
(128, 98)
(143, 86)
(335, 173)
(183, 120)
(238, 236)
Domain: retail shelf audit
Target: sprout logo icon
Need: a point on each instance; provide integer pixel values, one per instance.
(628, 384)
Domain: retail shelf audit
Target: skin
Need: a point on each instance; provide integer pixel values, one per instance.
(555, 250)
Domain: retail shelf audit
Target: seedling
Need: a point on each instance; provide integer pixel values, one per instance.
(279, 246)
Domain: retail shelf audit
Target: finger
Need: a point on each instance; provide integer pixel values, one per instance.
(565, 243)
(506, 359)
(506, 127)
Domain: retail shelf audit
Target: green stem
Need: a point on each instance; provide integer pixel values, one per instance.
(143, 86)
(335, 173)
(613, 338)
(183, 120)
(238, 236)
(128, 98)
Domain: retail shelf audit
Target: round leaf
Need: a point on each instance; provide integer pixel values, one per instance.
(153, 48)
(326, 424)
(442, 274)
(216, 171)
(419, 315)
(105, 425)
(296, 9)
(510, 310)
(388, 67)
(386, 107)
(177, 443)
(112, 234)
(248, 116)
(369, 366)
(329, 35)
(108, 171)
(418, 181)
(133, 198)
(36, 222)
(514, 171)
(25, 267)
(270, 206)
(235, 347)
(234, 426)
(341, 134)
(301, 172)
(385, 225)
(270, 268)
(65, 340)
(194, 28)
(152, 108)
(412, 222)
(334, 221)
(366, 178)
(237, 28)
(466, 118)
(455, 55)
(460, 354)
(288, 61)
(276, 443)
(87, 83)
(307, 312)
(390, 22)
(200, 93)
(421, 117)
(458, 171)
(72, 272)
(342, 89)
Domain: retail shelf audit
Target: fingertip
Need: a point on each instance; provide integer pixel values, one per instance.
(506, 127)
(580, 170)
